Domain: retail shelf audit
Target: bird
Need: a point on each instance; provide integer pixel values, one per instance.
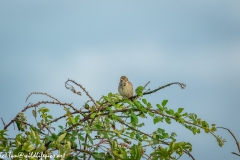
(125, 88)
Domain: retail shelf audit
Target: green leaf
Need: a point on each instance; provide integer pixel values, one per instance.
(90, 139)
(77, 118)
(28, 147)
(144, 101)
(180, 110)
(157, 119)
(61, 137)
(106, 120)
(194, 130)
(173, 134)
(114, 117)
(1, 148)
(135, 152)
(164, 102)
(61, 127)
(72, 120)
(139, 90)
(105, 135)
(160, 130)
(114, 144)
(98, 156)
(132, 134)
(150, 113)
(170, 112)
(87, 130)
(85, 144)
(138, 137)
(137, 104)
(86, 106)
(53, 137)
(32, 134)
(159, 107)
(140, 125)
(168, 120)
(205, 124)
(155, 141)
(110, 95)
(50, 117)
(181, 120)
(42, 147)
(198, 130)
(93, 115)
(34, 113)
(134, 119)
(43, 110)
(98, 126)
(177, 115)
(105, 98)
(81, 137)
(149, 105)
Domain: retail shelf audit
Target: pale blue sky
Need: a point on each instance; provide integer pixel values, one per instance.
(43, 43)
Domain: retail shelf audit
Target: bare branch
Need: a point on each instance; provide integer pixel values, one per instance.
(146, 84)
(182, 85)
(79, 93)
(42, 93)
(3, 122)
(236, 153)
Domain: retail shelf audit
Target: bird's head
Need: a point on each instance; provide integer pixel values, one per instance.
(123, 79)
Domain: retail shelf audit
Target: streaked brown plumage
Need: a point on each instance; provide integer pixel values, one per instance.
(125, 87)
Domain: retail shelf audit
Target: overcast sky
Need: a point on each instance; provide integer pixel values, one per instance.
(43, 43)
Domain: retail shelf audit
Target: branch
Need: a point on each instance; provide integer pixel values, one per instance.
(182, 85)
(146, 84)
(238, 144)
(79, 93)
(36, 105)
(3, 122)
(42, 94)
(236, 153)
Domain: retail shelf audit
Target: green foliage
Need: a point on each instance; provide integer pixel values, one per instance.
(108, 129)
(139, 90)
(167, 152)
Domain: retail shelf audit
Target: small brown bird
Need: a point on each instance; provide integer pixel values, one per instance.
(125, 87)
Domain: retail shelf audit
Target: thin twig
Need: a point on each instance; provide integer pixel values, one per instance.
(3, 122)
(182, 85)
(74, 91)
(42, 93)
(146, 84)
(236, 153)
